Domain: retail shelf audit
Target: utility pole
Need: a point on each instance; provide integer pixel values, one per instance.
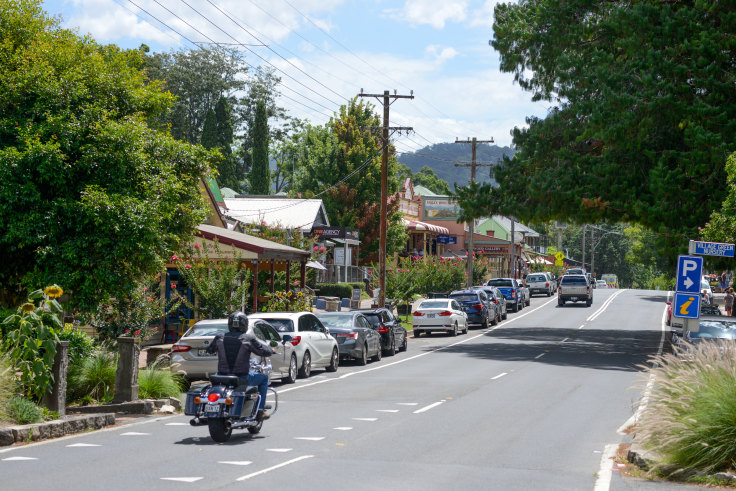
(385, 100)
(472, 165)
(513, 249)
(583, 265)
(592, 252)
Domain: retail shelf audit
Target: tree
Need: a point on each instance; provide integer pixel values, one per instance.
(644, 113)
(93, 198)
(260, 173)
(427, 178)
(229, 171)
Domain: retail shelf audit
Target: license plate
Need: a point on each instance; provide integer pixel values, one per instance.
(430, 316)
(212, 408)
(203, 352)
(574, 299)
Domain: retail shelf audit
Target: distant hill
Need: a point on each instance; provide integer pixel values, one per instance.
(442, 157)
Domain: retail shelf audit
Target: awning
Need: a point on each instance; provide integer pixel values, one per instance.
(540, 260)
(424, 227)
(316, 265)
(261, 248)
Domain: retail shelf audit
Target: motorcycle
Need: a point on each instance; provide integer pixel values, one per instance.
(226, 404)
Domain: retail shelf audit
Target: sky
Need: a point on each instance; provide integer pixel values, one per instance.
(327, 51)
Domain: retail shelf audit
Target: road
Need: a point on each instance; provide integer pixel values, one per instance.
(533, 403)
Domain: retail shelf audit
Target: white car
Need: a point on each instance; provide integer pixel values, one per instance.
(313, 344)
(601, 284)
(439, 314)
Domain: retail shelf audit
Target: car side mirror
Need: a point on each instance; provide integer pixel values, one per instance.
(286, 338)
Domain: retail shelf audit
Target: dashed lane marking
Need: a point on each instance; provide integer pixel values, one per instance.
(177, 424)
(365, 419)
(235, 462)
(279, 450)
(427, 408)
(20, 458)
(387, 410)
(499, 376)
(182, 479)
(133, 433)
(278, 466)
(83, 445)
(407, 403)
(343, 428)
(309, 438)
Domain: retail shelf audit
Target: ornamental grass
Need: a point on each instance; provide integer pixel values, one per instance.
(690, 418)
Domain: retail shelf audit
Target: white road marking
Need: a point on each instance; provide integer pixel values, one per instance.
(83, 445)
(309, 438)
(182, 479)
(603, 482)
(235, 462)
(539, 356)
(387, 410)
(279, 450)
(343, 428)
(365, 419)
(427, 408)
(133, 433)
(564, 340)
(269, 469)
(581, 326)
(177, 424)
(499, 376)
(21, 458)
(407, 403)
(605, 305)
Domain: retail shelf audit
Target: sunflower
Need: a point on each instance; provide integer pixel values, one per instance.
(28, 307)
(53, 291)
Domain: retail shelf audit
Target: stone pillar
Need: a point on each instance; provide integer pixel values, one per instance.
(56, 399)
(126, 377)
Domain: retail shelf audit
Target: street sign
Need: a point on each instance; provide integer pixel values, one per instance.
(711, 248)
(446, 239)
(689, 274)
(686, 306)
(558, 258)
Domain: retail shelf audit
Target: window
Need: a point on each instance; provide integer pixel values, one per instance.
(269, 333)
(501, 282)
(282, 325)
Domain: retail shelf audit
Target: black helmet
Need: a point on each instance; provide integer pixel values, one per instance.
(237, 321)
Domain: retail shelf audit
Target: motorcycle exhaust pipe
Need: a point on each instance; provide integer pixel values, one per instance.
(197, 422)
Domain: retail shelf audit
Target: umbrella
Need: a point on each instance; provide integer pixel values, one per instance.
(316, 265)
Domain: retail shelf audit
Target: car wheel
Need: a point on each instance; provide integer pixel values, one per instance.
(529, 302)
(495, 318)
(465, 331)
(484, 325)
(505, 314)
(453, 331)
(405, 344)
(379, 353)
(254, 430)
(334, 361)
(415, 333)
(516, 307)
(549, 294)
(291, 377)
(589, 303)
(363, 360)
(391, 351)
(306, 368)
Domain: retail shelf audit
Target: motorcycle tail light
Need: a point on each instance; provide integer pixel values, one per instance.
(445, 313)
(229, 401)
(179, 348)
(197, 400)
(296, 340)
(213, 397)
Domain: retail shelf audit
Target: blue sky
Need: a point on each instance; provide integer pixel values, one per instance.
(437, 48)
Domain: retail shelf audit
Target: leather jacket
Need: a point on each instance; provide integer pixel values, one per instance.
(233, 352)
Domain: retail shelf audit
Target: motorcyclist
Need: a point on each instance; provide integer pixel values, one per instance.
(233, 356)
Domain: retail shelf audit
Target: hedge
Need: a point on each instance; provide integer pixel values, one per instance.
(341, 290)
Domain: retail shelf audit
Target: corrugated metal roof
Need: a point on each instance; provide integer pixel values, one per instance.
(422, 191)
(266, 249)
(277, 211)
(505, 222)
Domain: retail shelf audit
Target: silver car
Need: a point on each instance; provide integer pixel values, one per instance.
(189, 355)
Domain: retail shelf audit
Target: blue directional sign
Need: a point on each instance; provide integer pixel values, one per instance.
(711, 248)
(446, 239)
(686, 305)
(689, 274)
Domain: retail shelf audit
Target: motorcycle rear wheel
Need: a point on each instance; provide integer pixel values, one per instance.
(220, 429)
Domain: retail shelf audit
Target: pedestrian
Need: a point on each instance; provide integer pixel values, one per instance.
(728, 301)
(706, 297)
(723, 282)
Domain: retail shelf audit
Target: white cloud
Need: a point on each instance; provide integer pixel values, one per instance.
(435, 13)
(441, 54)
(483, 17)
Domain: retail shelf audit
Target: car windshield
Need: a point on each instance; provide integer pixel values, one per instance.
(433, 304)
(536, 277)
(466, 297)
(336, 320)
(715, 330)
(281, 325)
(575, 271)
(704, 285)
(500, 282)
(206, 330)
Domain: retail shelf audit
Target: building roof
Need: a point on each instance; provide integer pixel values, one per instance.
(265, 249)
(519, 227)
(292, 213)
(228, 193)
(422, 191)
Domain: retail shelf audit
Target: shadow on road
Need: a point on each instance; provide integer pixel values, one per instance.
(239, 437)
(595, 348)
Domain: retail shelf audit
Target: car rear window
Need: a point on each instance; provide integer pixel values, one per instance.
(433, 304)
(469, 297)
(336, 320)
(373, 318)
(500, 282)
(207, 329)
(536, 277)
(281, 325)
(574, 280)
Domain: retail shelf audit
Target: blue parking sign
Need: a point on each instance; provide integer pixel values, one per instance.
(686, 305)
(689, 274)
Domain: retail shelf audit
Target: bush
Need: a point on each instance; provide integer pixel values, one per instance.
(23, 411)
(81, 345)
(340, 290)
(689, 419)
(360, 285)
(7, 384)
(154, 383)
(92, 378)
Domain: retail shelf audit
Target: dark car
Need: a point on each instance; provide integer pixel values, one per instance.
(496, 298)
(393, 334)
(511, 289)
(475, 304)
(355, 336)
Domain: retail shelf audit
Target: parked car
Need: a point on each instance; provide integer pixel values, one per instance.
(710, 329)
(496, 299)
(475, 304)
(439, 315)
(553, 279)
(355, 336)
(526, 295)
(511, 289)
(540, 283)
(393, 334)
(705, 309)
(314, 347)
(601, 284)
(190, 358)
(574, 288)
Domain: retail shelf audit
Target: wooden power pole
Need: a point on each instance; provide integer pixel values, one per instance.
(474, 142)
(385, 99)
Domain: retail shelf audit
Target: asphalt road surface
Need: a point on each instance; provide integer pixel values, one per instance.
(535, 403)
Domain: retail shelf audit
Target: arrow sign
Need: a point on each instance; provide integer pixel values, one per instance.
(689, 274)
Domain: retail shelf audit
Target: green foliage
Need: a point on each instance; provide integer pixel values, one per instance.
(23, 411)
(92, 378)
(427, 178)
(31, 340)
(81, 345)
(155, 383)
(689, 419)
(644, 113)
(402, 284)
(219, 284)
(260, 173)
(289, 301)
(7, 383)
(422, 276)
(93, 198)
(340, 290)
